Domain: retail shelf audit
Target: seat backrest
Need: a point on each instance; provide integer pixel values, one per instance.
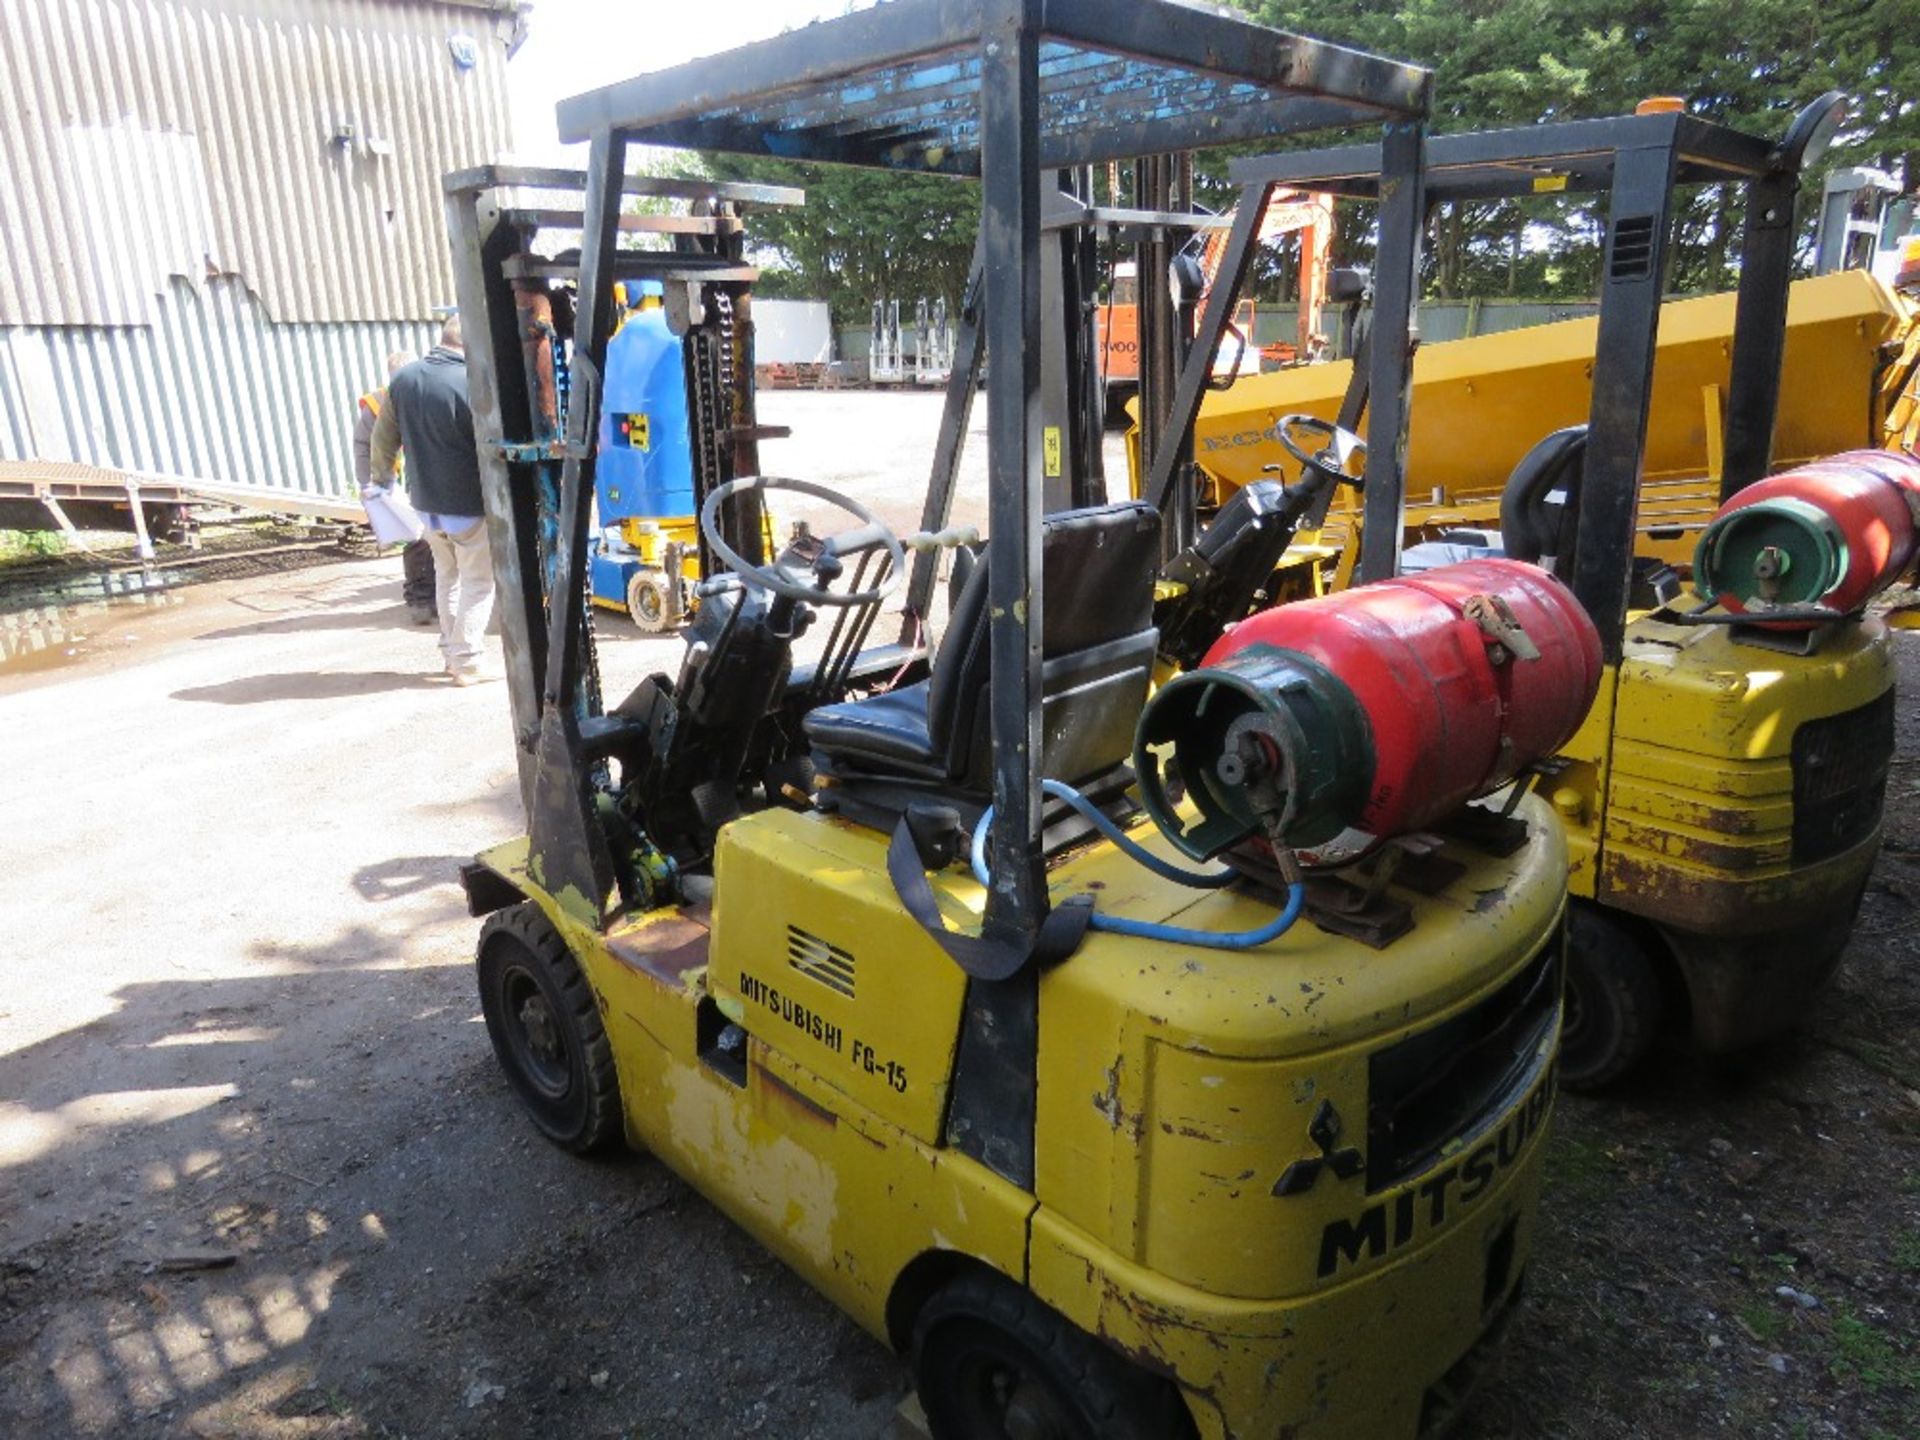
(1533, 526)
(1097, 645)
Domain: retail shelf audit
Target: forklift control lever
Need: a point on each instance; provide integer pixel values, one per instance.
(952, 538)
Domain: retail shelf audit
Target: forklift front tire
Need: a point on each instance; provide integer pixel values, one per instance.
(546, 1031)
(1614, 1000)
(991, 1362)
(649, 603)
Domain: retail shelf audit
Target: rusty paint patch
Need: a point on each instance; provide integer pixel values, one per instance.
(665, 949)
(1192, 1132)
(1107, 1102)
(1727, 856)
(1231, 1182)
(1730, 905)
(533, 311)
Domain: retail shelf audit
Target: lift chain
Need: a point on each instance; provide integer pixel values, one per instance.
(710, 350)
(723, 311)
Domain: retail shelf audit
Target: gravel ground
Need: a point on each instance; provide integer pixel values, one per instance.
(259, 1176)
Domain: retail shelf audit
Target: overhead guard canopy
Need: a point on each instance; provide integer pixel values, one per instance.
(898, 87)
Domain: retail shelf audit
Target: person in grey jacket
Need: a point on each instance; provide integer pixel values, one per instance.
(427, 413)
(416, 558)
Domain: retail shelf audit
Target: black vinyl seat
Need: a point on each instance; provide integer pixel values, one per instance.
(1097, 648)
(881, 730)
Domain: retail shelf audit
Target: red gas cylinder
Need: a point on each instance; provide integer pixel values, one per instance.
(1380, 709)
(1834, 534)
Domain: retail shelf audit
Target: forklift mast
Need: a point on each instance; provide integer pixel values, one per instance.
(1861, 211)
(496, 218)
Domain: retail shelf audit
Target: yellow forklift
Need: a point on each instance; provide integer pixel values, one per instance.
(1722, 803)
(875, 949)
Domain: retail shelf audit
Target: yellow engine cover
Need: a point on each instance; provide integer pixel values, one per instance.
(827, 966)
(1701, 829)
(1240, 1175)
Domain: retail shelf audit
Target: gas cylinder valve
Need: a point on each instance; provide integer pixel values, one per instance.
(1830, 536)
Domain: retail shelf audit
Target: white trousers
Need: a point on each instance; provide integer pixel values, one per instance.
(463, 587)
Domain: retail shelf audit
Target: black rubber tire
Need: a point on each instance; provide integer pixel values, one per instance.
(1614, 1000)
(984, 1347)
(546, 1031)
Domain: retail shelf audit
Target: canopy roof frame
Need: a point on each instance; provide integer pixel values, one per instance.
(898, 86)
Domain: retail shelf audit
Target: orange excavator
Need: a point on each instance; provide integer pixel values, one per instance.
(1289, 211)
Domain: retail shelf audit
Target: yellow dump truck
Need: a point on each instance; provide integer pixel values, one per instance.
(1480, 403)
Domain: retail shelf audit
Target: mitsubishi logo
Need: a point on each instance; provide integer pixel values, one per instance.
(1324, 1131)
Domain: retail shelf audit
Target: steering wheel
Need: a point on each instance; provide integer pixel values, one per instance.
(778, 579)
(1332, 458)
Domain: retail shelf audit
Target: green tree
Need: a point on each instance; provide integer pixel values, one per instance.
(1750, 63)
(866, 235)
(863, 235)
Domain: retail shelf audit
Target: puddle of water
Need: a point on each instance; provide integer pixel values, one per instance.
(65, 621)
(84, 587)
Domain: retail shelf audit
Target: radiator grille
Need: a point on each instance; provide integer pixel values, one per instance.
(818, 960)
(1448, 1082)
(1840, 779)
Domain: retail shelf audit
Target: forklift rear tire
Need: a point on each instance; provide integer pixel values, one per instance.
(546, 1031)
(991, 1362)
(1613, 1002)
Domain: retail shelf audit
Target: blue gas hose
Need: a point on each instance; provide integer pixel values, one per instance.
(1199, 879)
(1146, 929)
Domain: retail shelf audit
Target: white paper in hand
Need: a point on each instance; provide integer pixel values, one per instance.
(393, 519)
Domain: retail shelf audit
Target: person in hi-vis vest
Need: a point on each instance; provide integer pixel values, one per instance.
(416, 558)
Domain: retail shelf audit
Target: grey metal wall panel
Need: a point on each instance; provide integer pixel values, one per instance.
(211, 390)
(143, 139)
(1441, 321)
(1519, 314)
(855, 342)
(16, 441)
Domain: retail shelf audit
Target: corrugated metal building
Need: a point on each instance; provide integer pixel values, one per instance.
(218, 216)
